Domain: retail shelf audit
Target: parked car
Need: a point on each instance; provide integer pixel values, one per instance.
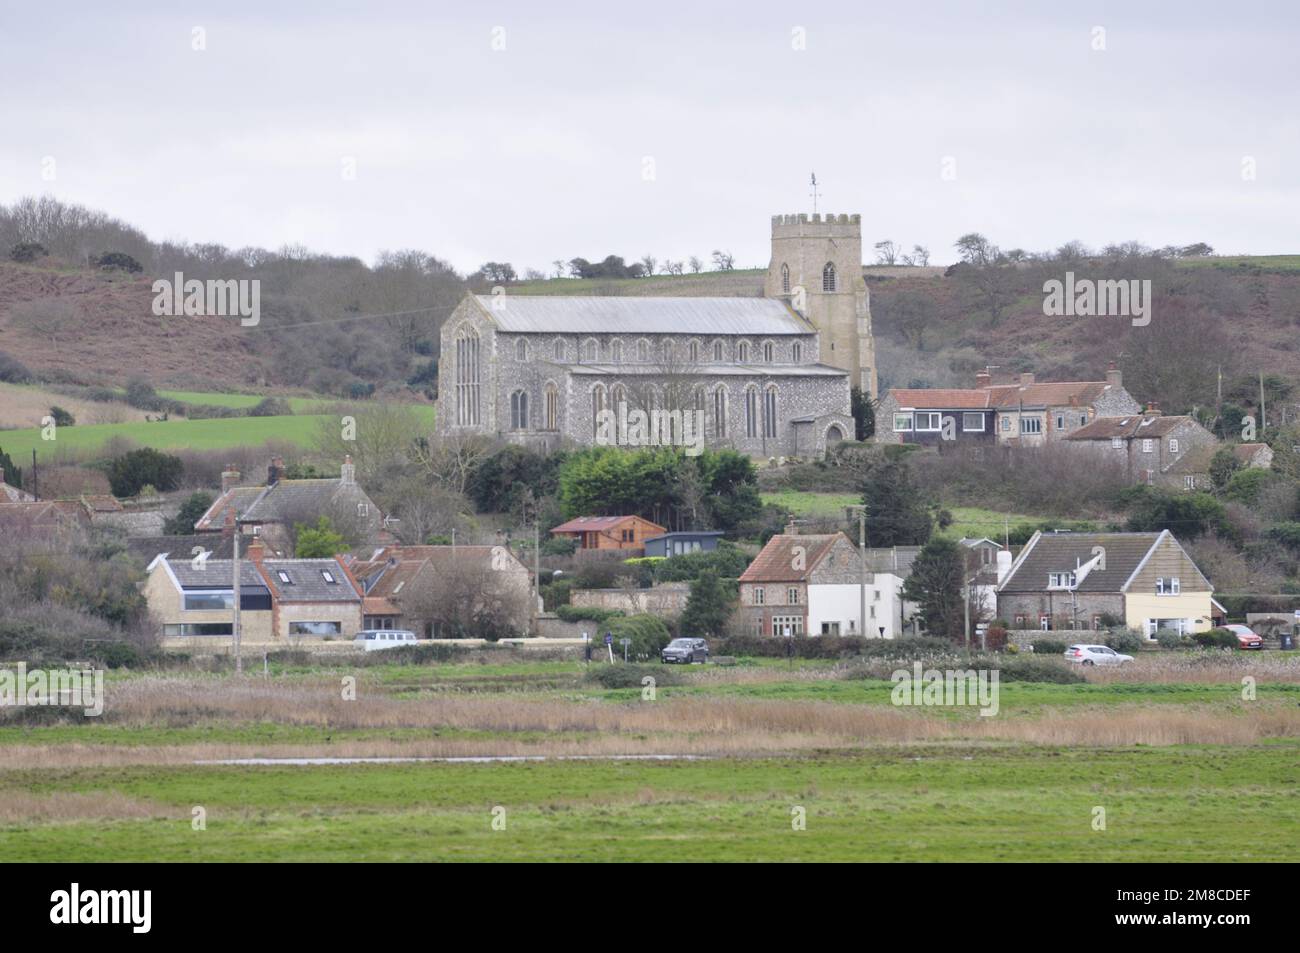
(376, 639)
(1095, 655)
(1246, 638)
(685, 650)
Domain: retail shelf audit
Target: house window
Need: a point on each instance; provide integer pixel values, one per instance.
(1020, 621)
(1006, 423)
(552, 407)
(467, 377)
(1060, 580)
(1117, 443)
(519, 410)
(787, 625)
(760, 595)
(928, 420)
(796, 352)
(1031, 424)
(720, 412)
(1060, 421)
(521, 350)
(1083, 420)
(717, 352)
(1173, 445)
(284, 577)
(828, 277)
(316, 628)
(208, 601)
(199, 628)
(830, 628)
(363, 509)
(1146, 446)
(1171, 586)
(902, 423)
(751, 412)
(1045, 623)
(972, 423)
(792, 596)
(616, 352)
(626, 535)
(742, 352)
(769, 352)
(769, 412)
(785, 279)
(1189, 483)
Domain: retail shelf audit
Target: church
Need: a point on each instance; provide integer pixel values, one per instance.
(767, 376)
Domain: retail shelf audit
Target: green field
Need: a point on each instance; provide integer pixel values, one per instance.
(210, 434)
(299, 405)
(917, 804)
(1184, 767)
(968, 521)
(1266, 262)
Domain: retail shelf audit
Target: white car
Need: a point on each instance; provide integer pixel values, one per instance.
(376, 639)
(1095, 655)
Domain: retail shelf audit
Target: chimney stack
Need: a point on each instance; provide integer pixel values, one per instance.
(274, 471)
(1026, 379)
(983, 379)
(1153, 409)
(228, 526)
(256, 551)
(348, 471)
(229, 478)
(1114, 376)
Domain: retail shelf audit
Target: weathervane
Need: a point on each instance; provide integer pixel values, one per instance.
(814, 193)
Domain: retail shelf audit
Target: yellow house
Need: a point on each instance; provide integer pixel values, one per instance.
(1064, 580)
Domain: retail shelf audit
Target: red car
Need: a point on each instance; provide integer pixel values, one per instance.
(1246, 639)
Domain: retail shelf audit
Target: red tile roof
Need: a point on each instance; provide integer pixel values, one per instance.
(588, 524)
(777, 560)
(938, 398)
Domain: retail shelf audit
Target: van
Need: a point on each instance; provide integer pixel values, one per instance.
(376, 639)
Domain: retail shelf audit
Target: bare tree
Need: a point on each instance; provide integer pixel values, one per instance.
(723, 260)
(648, 263)
(886, 253)
(696, 265)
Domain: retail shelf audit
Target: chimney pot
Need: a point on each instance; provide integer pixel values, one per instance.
(983, 379)
(1026, 379)
(229, 478)
(348, 472)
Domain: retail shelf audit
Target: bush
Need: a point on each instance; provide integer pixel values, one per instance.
(587, 613)
(1170, 639)
(27, 251)
(132, 471)
(1049, 647)
(831, 647)
(270, 407)
(1215, 639)
(619, 675)
(118, 261)
(116, 654)
(12, 370)
(1125, 641)
(62, 418)
(649, 634)
(1027, 668)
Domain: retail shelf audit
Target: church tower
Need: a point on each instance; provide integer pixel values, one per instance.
(816, 268)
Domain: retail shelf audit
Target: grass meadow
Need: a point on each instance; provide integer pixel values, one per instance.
(1184, 764)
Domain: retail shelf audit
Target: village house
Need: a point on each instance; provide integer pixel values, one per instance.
(1021, 413)
(681, 543)
(627, 533)
(403, 585)
(12, 494)
(1154, 449)
(271, 512)
(1073, 581)
(280, 599)
(812, 585)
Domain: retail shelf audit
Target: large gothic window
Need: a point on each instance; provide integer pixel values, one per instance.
(467, 377)
(828, 277)
(785, 279)
(597, 406)
(519, 410)
(769, 412)
(751, 411)
(720, 413)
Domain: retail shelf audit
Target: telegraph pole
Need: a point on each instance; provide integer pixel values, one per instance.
(235, 627)
(862, 565)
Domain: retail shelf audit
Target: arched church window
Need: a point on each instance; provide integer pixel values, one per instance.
(521, 350)
(751, 411)
(769, 352)
(616, 352)
(828, 277)
(643, 351)
(467, 377)
(519, 410)
(717, 352)
(785, 279)
(769, 411)
(559, 349)
(552, 407)
(742, 352)
(720, 412)
(589, 351)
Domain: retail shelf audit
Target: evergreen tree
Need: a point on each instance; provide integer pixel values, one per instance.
(183, 522)
(935, 586)
(708, 607)
(319, 541)
(897, 515)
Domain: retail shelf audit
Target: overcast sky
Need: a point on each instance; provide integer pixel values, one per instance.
(664, 128)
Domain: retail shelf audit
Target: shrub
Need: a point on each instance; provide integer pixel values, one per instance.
(1027, 668)
(630, 676)
(118, 261)
(132, 471)
(1215, 639)
(649, 634)
(1125, 640)
(27, 251)
(830, 647)
(270, 407)
(12, 370)
(62, 418)
(1049, 647)
(117, 654)
(587, 613)
(1170, 639)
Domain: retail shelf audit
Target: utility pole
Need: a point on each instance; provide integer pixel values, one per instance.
(36, 487)
(235, 627)
(1263, 412)
(537, 566)
(862, 566)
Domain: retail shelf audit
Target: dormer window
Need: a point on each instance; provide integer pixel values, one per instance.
(1060, 580)
(284, 577)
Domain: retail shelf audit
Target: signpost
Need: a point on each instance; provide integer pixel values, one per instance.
(609, 646)
(625, 642)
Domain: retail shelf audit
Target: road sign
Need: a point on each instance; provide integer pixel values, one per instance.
(609, 638)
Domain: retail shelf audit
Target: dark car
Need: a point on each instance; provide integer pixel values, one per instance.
(685, 651)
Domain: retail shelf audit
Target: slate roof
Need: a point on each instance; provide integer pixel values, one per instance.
(215, 574)
(708, 370)
(181, 547)
(587, 314)
(285, 500)
(895, 560)
(1064, 552)
(1127, 427)
(775, 563)
(239, 497)
(307, 582)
